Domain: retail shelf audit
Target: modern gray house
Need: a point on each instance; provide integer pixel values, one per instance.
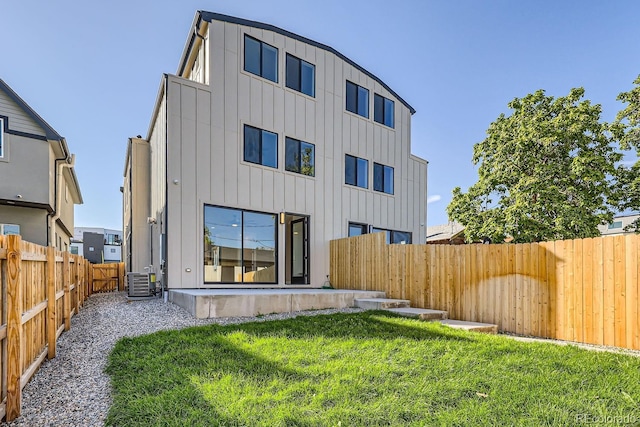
(262, 148)
(38, 184)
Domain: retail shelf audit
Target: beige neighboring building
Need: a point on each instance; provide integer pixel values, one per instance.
(618, 225)
(38, 184)
(262, 148)
(451, 233)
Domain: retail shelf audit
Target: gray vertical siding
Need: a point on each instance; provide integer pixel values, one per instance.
(18, 119)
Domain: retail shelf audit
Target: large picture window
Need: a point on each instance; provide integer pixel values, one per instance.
(301, 75)
(239, 246)
(300, 157)
(260, 146)
(260, 59)
(394, 236)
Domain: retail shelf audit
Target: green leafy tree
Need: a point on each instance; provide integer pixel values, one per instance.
(545, 172)
(627, 129)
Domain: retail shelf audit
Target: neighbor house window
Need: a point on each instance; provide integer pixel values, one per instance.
(9, 229)
(615, 224)
(74, 250)
(356, 171)
(239, 246)
(393, 236)
(300, 157)
(356, 229)
(260, 147)
(383, 178)
(260, 59)
(357, 99)
(301, 75)
(383, 110)
(1, 138)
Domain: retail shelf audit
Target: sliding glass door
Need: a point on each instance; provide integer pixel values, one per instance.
(239, 246)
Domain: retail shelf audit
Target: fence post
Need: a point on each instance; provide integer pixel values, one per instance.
(76, 275)
(90, 267)
(67, 297)
(14, 327)
(51, 302)
(121, 276)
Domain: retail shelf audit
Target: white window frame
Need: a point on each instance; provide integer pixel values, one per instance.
(2, 140)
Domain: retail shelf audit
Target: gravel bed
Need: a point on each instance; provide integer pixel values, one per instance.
(72, 389)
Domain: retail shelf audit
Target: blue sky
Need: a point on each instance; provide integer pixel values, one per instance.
(92, 69)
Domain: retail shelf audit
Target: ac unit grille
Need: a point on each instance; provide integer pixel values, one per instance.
(138, 284)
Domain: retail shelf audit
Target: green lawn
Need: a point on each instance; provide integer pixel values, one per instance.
(363, 369)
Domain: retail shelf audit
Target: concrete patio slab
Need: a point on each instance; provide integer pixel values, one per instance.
(209, 303)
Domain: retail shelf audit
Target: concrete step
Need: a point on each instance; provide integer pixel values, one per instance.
(420, 313)
(470, 326)
(380, 303)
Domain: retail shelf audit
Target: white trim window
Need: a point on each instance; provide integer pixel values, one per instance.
(1, 138)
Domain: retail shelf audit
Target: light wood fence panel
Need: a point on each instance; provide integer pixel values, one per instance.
(583, 290)
(39, 292)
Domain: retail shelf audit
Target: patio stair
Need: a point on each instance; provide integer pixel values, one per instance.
(403, 308)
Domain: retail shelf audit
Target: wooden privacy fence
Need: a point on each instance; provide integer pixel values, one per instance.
(583, 290)
(107, 277)
(41, 289)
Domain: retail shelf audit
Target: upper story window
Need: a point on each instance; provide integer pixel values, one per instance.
(260, 146)
(260, 59)
(383, 110)
(301, 75)
(356, 171)
(300, 157)
(357, 99)
(383, 178)
(1, 138)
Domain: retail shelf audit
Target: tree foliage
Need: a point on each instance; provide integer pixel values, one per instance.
(627, 129)
(545, 172)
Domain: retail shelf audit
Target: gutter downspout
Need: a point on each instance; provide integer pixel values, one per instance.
(58, 197)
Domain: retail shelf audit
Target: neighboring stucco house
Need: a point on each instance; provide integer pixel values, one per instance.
(620, 225)
(38, 184)
(97, 245)
(264, 147)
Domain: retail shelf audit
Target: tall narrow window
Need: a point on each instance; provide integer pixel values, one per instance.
(300, 157)
(383, 110)
(356, 171)
(260, 147)
(1, 138)
(383, 178)
(260, 58)
(357, 99)
(301, 75)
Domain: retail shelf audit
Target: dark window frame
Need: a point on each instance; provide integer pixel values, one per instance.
(276, 250)
(381, 116)
(358, 99)
(300, 75)
(260, 147)
(390, 234)
(299, 159)
(363, 227)
(385, 175)
(356, 174)
(260, 60)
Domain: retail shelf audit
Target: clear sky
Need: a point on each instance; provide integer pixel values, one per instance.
(92, 69)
